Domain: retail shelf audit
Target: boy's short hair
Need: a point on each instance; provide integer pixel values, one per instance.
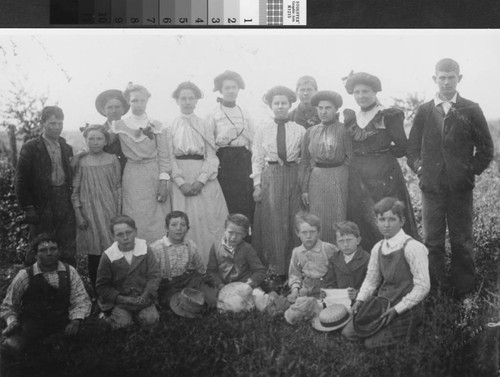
(308, 218)
(121, 219)
(238, 219)
(347, 227)
(176, 215)
(48, 111)
(447, 65)
(306, 80)
(42, 237)
(390, 204)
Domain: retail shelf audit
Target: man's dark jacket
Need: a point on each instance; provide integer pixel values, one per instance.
(34, 169)
(464, 148)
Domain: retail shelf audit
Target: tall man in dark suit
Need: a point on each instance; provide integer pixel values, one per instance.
(44, 182)
(449, 144)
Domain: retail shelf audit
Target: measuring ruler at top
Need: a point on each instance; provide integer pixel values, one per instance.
(181, 13)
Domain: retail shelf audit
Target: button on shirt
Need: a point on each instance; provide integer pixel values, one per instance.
(54, 150)
(309, 263)
(446, 105)
(416, 256)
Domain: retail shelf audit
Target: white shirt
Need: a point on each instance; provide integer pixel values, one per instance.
(445, 104)
(416, 256)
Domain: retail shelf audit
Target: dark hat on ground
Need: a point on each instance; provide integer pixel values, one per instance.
(327, 95)
(332, 318)
(367, 321)
(189, 303)
(363, 78)
(228, 75)
(279, 91)
(104, 97)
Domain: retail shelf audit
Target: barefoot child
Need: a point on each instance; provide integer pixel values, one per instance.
(309, 263)
(96, 197)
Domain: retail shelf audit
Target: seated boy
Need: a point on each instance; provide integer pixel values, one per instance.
(180, 263)
(399, 271)
(232, 259)
(43, 299)
(128, 277)
(350, 262)
(309, 263)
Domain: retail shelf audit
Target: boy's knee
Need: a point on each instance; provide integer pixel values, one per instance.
(148, 316)
(120, 318)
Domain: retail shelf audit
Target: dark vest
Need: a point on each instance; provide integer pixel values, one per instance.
(395, 270)
(42, 301)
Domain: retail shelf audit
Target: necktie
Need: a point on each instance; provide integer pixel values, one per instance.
(281, 139)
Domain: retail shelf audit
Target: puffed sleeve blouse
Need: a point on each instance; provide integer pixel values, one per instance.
(265, 147)
(137, 146)
(376, 131)
(330, 144)
(191, 135)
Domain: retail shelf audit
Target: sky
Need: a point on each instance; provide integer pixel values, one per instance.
(74, 66)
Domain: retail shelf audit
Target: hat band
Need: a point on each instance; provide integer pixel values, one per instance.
(189, 306)
(335, 323)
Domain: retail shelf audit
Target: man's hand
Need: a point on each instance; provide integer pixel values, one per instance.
(196, 188)
(390, 314)
(31, 216)
(11, 328)
(257, 193)
(355, 307)
(72, 327)
(162, 191)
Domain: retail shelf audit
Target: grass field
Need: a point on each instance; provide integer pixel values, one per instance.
(453, 341)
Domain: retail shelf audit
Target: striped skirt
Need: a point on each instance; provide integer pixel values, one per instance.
(274, 232)
(328, 198)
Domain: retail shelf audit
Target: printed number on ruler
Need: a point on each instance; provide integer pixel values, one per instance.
(134, 20)
(102, 18)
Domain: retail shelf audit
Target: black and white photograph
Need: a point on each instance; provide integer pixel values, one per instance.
(236, 202)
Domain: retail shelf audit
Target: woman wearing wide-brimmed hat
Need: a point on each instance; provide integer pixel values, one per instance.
(195, 189)
(378, 140)
(149, 162)
(234, 131)
(113, 105)
(276, 153)
(326, 148)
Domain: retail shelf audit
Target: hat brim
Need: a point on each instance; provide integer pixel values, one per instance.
(318, 326)
(115, 93)
(174, 305)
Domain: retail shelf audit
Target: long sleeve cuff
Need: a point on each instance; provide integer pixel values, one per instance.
(179, 181)
(164, 176)
(203, 178)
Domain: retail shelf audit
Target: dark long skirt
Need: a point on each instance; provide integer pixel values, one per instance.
(372, 178)
(234, 177)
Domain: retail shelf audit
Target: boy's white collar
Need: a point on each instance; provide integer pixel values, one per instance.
(397, 239)
(114, 253)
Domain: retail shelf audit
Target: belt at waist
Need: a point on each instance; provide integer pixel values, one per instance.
(285, 163)
(372, 153)
(190, 157)
(141, 161)
(327, 165)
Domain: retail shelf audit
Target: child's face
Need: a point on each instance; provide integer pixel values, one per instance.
(187, 101)
(177, 229)
(234, 234)
(447, 83)
(280, 106)
(347, 243)
(308, 235)
(389, 224)
(138, 102)
(96, 141)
